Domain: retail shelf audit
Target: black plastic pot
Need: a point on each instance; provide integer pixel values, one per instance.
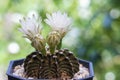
(14, 63)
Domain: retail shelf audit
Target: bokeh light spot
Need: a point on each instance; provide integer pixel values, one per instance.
(109, 76)
(13, 48)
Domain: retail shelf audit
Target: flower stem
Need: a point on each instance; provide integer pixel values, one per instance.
(43, 51)
(59, 45)
(52, 49)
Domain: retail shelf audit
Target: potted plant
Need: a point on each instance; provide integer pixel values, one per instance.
(49, 62)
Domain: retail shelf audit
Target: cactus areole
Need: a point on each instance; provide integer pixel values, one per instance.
(49, 62)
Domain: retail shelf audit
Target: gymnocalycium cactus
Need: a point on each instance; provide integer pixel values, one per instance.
(51, 62)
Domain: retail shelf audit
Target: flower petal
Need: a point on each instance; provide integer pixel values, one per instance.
(59, 22)
(30, 26)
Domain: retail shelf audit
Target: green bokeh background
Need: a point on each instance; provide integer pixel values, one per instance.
(95, 33)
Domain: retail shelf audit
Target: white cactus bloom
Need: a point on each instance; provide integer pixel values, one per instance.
(59, 22)
(30, 26)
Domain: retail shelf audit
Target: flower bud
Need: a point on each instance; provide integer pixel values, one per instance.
(53, 39)
(39, 43)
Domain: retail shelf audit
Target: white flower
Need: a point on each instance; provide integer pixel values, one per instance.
(59, 22)
(30, 26)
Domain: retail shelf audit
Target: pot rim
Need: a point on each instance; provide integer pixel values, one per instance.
(11, 64)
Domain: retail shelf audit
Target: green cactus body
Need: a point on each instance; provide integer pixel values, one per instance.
(61, 64)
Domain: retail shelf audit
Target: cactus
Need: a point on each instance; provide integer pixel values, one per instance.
(52, 62)
(61, 64)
